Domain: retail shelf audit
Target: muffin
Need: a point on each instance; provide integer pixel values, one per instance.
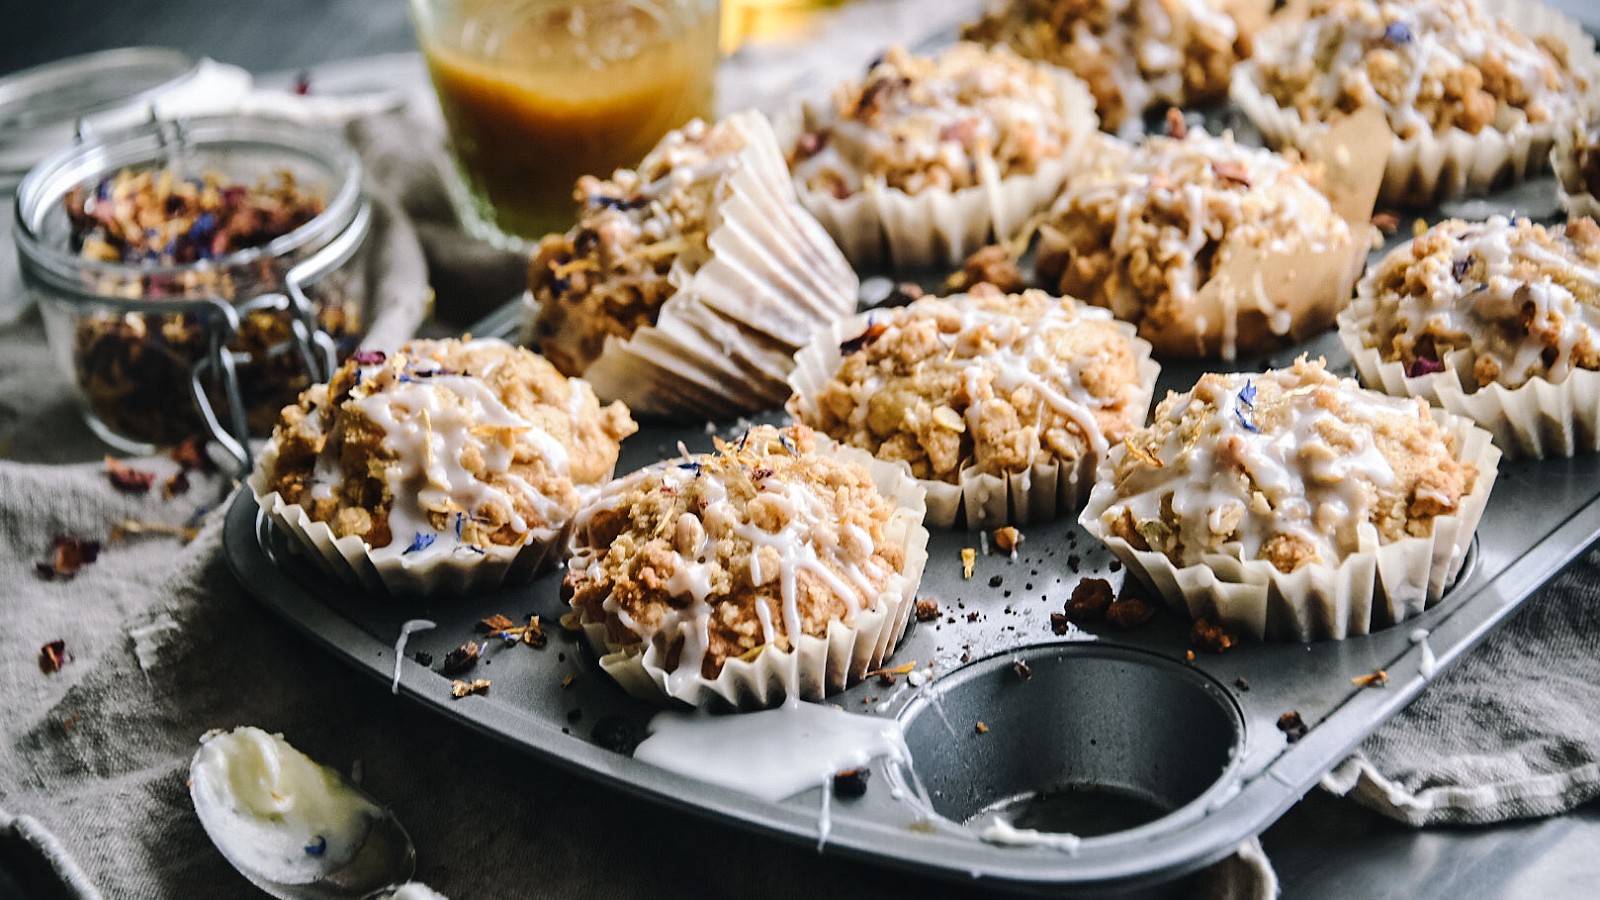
(1474, 93)
(448, 466)
(688, 283)
(780, 566)
(1133, 56)
(1576, 160)
(1001, 405)
(925, 160)
(1293, 504)
(1210, 248)
(1498, 321)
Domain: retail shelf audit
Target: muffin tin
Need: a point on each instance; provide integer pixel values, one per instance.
(1160, 765)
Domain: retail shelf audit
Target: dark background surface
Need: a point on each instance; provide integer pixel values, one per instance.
(1322, 848)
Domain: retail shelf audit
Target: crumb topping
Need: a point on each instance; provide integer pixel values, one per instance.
(1432, 65)
(1133, 55)
(445, 447)
(986, 381)
(1143, 236)
(1293, 466)
(720, 555)
(639, 235)
(1522, 299)
(917, 123)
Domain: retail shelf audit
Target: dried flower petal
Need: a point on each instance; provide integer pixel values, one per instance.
(176, 485)
(969, 559)
(865, 339)
(128, 479)
(68, 554)
(1379, 678)
(53, 656)
(1142, 455)
(1007, 539)
(369, 357)
(1423, 366)
(459, 689)
(462, 658)
(496, 622)
(422, 541)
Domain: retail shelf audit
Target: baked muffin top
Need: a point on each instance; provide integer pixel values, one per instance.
(1522, 299)
(1432, 65)
(1144, 234)
(719, 555)
(920, 123)
(445, 446)
(1292, 466)
(1132, 55)
(639, 234)
(986, 381)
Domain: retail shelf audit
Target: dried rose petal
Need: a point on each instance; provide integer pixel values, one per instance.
(369, 357)
(190, 453)
(68, 554)
(1423, 366)
(53, 656)
(865, 339)
(176, 485)
(128, 479)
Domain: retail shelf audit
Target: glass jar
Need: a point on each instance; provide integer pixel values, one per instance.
(538, 92)
(217, 346)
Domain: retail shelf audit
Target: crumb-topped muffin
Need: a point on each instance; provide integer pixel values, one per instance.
(451, 450)
(1576, 160)
(1469, 305)
(746, 573)
(1435, 67)
(1293, 469)
(984, 385)
(1132, 55)
(961, 123)
(688, 281)
(1147, 237)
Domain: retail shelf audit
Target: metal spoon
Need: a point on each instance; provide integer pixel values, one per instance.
(384, 857)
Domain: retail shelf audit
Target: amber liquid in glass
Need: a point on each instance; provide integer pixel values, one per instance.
(567, 90)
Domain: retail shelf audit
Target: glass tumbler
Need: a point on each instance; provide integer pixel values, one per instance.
(538, 92)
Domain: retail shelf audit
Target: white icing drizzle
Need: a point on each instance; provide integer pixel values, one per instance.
(773, 754)
(1333, 48)
(1479, 282)
(1244, 482)
(1001, 832)
(432, 420)
(1428, 664)
(407, 629)
(932, 119)
(810, 542)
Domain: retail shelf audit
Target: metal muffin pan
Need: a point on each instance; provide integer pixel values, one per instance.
(1162, 765)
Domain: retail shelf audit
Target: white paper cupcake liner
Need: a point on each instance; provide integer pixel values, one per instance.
(1577, 198)
(815, 666)
(1427, 169)
(724, 342)
(1540, 419)
(436, 572)
(1379, 586)
(881, 225)
(978, 500)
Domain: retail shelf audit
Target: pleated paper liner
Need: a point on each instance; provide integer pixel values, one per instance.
(814, 666)
(1427, 168)
(1378, 586)
(1576, 197)
(977, 500)
(1268, 296)
(1540, 419)
(885, 226)
(723, 343)
(438, 571)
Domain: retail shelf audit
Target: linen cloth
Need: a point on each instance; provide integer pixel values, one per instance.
(167, 644)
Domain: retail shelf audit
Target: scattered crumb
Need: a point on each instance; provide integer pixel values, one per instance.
(887, 676)
(1021, 669)
(927, 609)
(1241, 683)
(1008, 539)
(459, 688)
(462, 658)
(1129, 612)
(1386, 221)
(1210, 637)
(1292, 725)
(1091, 597)
(851, 783)
(1059, 623)
(176, 484)
(1188, 656)
(1379, 678)
(567, 680)
(1176, 127)
(996, 580)
(981, 728)
(969, 559)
